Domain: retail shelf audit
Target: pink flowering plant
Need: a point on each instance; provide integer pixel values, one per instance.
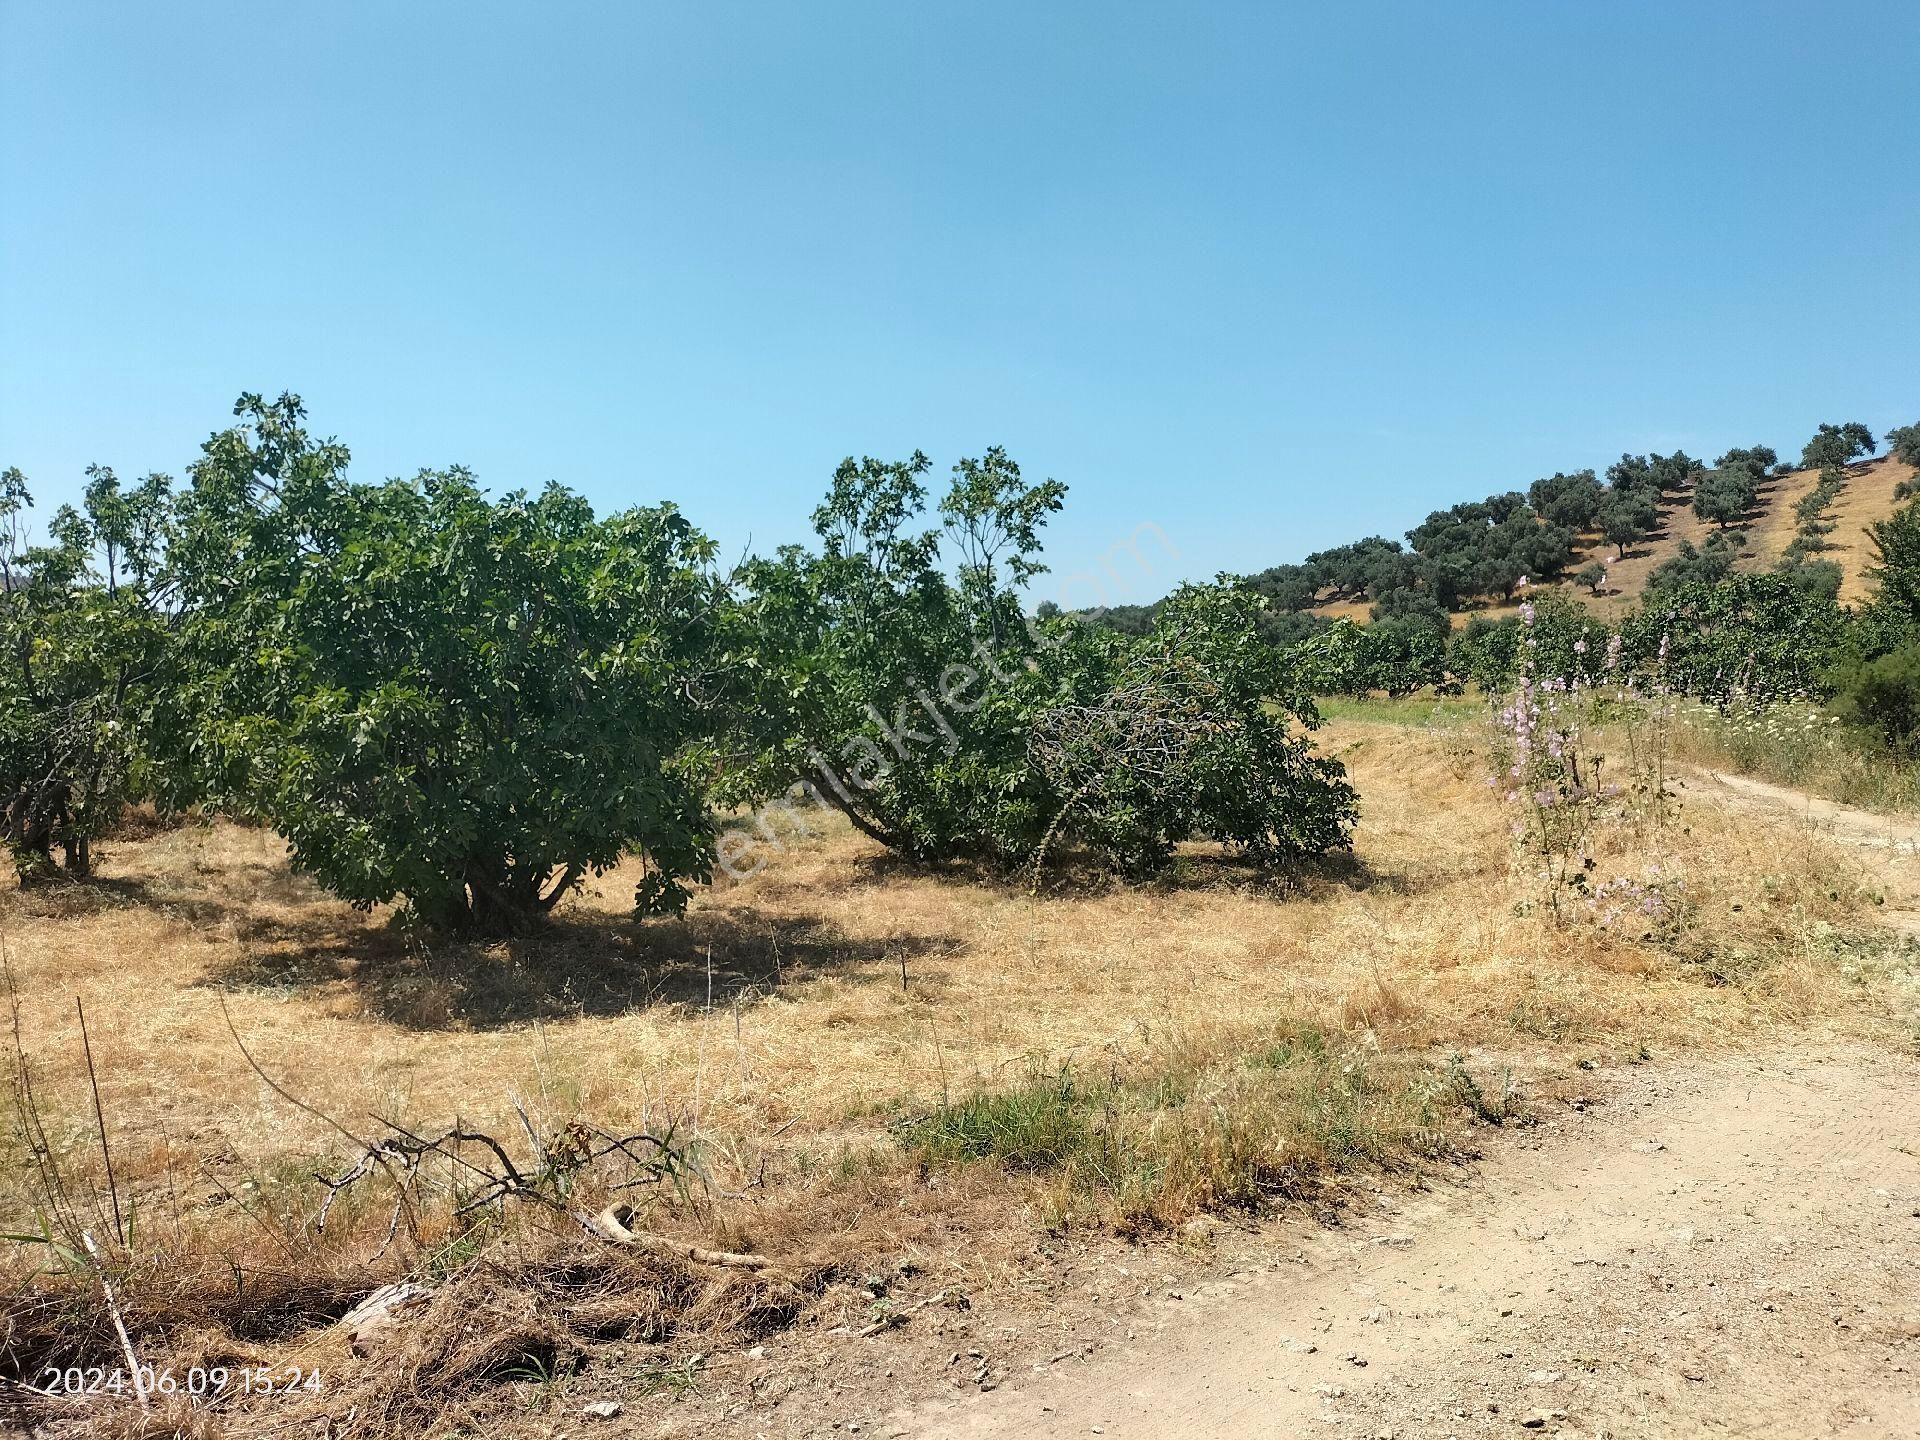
(1649, 902)
(1553, 775)
(1643, 709)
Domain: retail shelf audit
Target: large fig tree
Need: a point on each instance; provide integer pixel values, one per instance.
(463, 703)
(905, 686)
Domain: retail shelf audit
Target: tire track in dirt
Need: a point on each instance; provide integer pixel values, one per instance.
(1728, 1249)
(1842, 824)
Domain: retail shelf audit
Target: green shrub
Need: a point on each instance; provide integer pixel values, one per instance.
(1708, 563)
(1566, 640)
(1815, 503)
(84, 654)
(1763, 636)
(1882, 696)
(1403, 654)
(1486, 652)
(1038, 1126)
(1227, 1126)
(1202, 732)
(1896, 568)
(1820, 578)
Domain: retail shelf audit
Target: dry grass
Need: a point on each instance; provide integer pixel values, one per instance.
(812, 1073)
(1799, 744)
(1867, 496)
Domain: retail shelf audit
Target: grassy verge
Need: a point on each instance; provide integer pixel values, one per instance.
(1221, 1125)
(1797, 744)
(1800, 745)
(1432, 712)
(518, 1303)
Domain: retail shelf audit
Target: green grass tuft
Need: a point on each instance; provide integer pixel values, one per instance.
(1038, 1126)
(1232, 1127)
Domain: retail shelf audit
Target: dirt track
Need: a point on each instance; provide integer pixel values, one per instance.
(1731, 1249)
(1841, 824)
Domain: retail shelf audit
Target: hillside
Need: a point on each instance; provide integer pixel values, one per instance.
(1868, 496)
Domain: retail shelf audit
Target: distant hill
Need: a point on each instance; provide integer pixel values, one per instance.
(1867, 496)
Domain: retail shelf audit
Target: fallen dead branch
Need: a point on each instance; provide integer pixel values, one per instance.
(656, 1158)
(119, 1322)
(614, 1223)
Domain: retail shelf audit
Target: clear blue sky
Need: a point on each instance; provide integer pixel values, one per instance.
(1269, 277)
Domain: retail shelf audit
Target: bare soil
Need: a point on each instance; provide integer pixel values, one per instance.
(1842, 824)
(1729, 1247)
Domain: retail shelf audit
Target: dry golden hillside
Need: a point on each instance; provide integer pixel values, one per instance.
(1868, 496)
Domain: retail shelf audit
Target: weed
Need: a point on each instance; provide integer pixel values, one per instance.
(545, 1378)
(1308, 1043)
(1468, 1092)
(681, 1378)
(1036, 1126)
(1242, 1124)
(1796, 742)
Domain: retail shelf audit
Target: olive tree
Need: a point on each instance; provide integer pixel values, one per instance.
(1569, 500)
(1626, 516)
(1724, 495)
(1835, 445)
(1756, 460)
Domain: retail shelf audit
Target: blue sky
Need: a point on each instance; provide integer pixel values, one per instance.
(1266, 277)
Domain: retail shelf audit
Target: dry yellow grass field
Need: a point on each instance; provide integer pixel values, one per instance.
(792, 1020)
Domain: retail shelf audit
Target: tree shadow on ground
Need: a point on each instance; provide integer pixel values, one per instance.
(577, 964)
(1076, 874)
(243, 887)
(573, 967)
(1303, 878)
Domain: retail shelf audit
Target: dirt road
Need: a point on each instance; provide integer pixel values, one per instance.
(1730, 1249)
(1842, 824)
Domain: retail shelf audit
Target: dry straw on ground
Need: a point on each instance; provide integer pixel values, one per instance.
(804, 1025)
